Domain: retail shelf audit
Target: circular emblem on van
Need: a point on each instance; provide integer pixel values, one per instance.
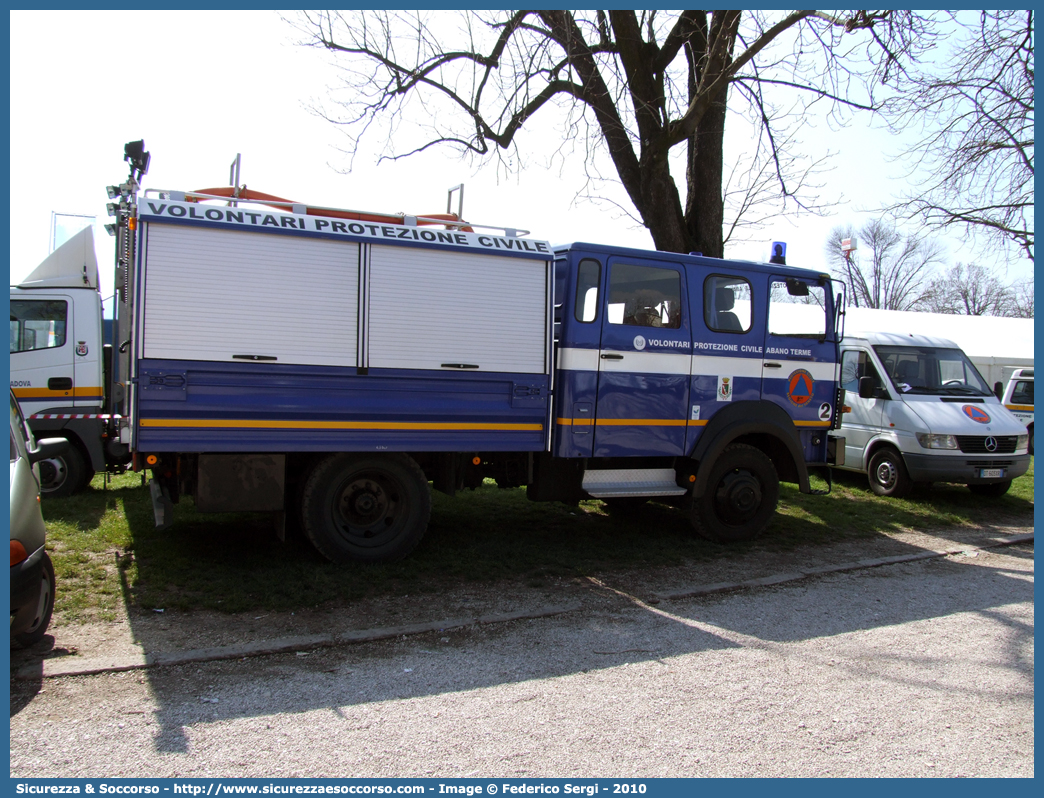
(639, 342)
(990, 443)
(976, 414)
(799, 387)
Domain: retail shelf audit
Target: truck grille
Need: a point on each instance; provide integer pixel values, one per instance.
(976, 444)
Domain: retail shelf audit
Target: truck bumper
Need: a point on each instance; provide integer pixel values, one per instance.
(941, 468)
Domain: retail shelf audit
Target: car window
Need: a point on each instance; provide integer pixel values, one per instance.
(856, 364)
(1023, 393)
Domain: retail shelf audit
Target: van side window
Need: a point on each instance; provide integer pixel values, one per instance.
(588, 278)
(37, 324)
(726, 304)
(644, 296)
(1023, 393)
(855, 364)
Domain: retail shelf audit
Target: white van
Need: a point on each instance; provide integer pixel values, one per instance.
(916, 410)
(1018, 398)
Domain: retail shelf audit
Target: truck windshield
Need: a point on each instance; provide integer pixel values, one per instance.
(931, 370)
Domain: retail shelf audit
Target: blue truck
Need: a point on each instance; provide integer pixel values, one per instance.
(337, 364)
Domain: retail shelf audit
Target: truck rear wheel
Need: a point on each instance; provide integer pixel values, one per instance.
(741, 496)
(366, 508)
(65, 474)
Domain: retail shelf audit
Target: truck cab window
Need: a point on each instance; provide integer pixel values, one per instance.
(37, 324)
(797, 308)
(726, 304)
(644, 296)
(588, 277)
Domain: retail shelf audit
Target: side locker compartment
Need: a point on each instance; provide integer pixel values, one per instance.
(248, 339)
(458, 347)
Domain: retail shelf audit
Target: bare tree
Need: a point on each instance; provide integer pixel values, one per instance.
(631, 85)
(889, 271)
(973, 165)
(970, 290)
(1022, 299)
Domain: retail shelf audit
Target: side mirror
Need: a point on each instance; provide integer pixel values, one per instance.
(866, 387)
(48, 448)
(998, 390)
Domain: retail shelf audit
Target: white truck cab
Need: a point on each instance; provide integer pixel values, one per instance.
(917, 411)
(59, 365)
(1018, 398)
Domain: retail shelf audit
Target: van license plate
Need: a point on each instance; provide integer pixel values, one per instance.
(991, 473)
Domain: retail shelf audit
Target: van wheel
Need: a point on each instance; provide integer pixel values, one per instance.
(366, 508)
(63, 475)
(741, 496)
(888, 475)
(44, 609)
(991, 489)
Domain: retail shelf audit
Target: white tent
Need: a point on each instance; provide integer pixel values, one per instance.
(997, 346)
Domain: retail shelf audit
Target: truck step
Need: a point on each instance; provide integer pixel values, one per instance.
(617, 482)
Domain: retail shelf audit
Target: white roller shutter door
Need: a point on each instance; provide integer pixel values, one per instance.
(211, 294)
(428, 308)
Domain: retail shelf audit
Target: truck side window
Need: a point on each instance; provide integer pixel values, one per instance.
(726, 304)
(588, 278)
(644, 296)
(37, 324)
(855, 364)
(1023, 393)
(797, 308)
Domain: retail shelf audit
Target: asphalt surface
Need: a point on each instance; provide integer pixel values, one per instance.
(917, 668)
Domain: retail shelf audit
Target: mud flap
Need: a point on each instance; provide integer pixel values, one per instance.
(162, 506)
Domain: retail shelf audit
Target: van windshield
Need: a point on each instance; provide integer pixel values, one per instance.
(931, 370)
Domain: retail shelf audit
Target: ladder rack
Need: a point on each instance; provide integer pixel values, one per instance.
(229, 194)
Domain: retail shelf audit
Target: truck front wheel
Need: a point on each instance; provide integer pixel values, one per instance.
(740, 498)
(65, 474)
(366, 508)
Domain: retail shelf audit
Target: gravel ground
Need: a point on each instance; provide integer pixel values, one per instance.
(916, 669)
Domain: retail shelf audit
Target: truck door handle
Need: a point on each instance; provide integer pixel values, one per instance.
(612, 357)
(773, 365)
(59, 384)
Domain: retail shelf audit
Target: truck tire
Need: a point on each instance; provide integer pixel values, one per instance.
(991, 489)
(741, 496)
(366, 508)
(887, 474)
(65, 474)
(44, 609)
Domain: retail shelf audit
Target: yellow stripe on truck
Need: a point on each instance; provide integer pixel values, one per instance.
(213, 423)
(46, 393)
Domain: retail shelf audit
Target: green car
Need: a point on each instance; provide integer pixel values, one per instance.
(32, 575)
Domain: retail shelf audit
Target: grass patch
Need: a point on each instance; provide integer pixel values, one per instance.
(106, 550)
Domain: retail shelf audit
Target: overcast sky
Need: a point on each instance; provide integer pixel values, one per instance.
(201, 86)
